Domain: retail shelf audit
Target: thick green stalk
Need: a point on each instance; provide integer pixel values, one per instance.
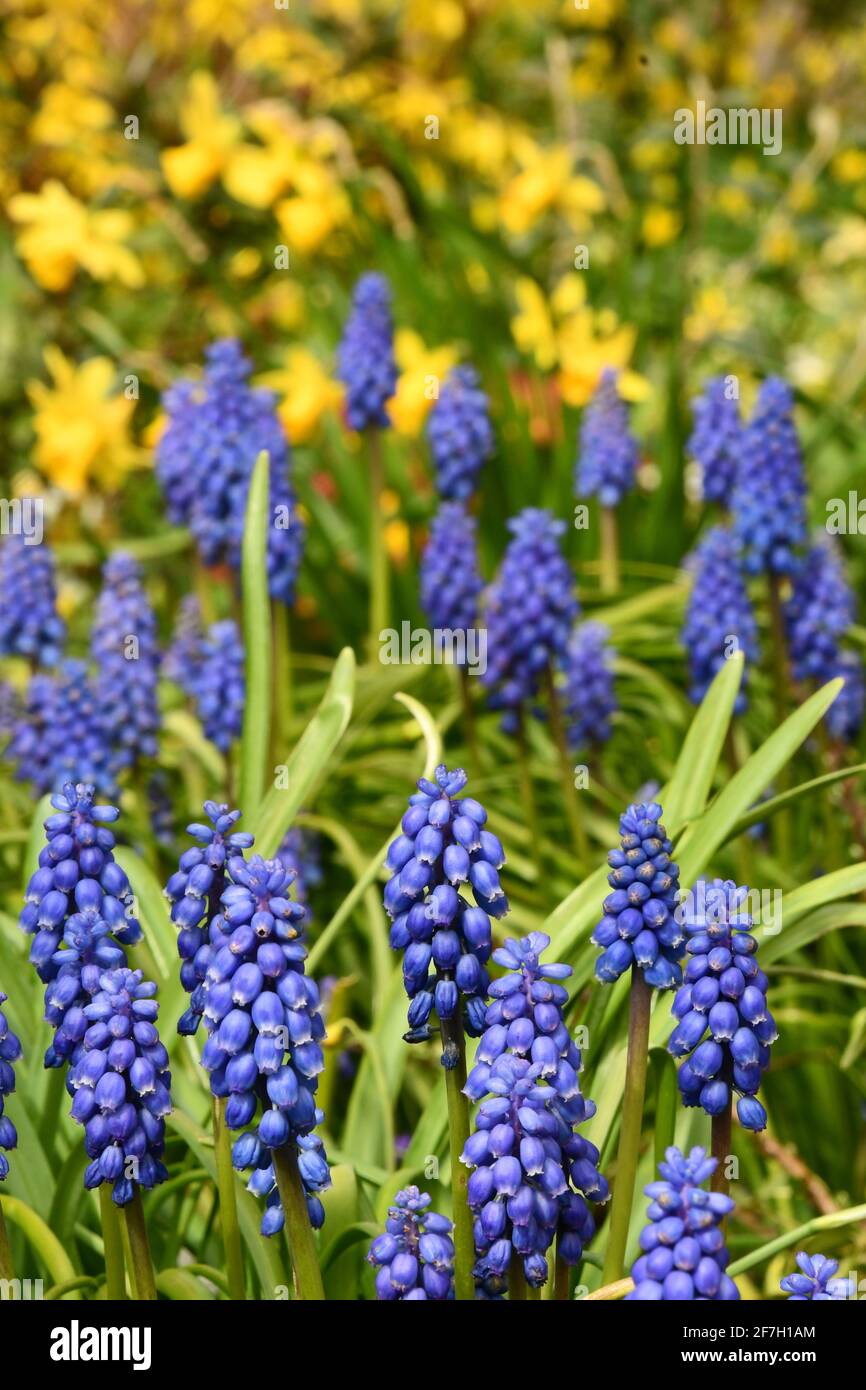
(632, 1124)
(458, 1133)
(609, 554)
(112, 1240)
(228, 1203)
(299, 1232)
(516, 1279)
(562, 1281)
(667, 1106)
(566, 769)
(6, 1270)
(139, 1250)
(378, 553)
(779, 656)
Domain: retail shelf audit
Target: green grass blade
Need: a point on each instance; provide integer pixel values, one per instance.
(257, 642)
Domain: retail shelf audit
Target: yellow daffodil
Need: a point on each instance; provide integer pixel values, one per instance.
(660, 225)
(532, 326)
(211, 136)
(59, 234)
(535, 190)
(82, 425)
(317, 207)
(568, 333)
(306, 393)
(422, 372)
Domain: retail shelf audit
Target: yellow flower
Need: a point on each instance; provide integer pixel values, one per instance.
(422, 371)
(532, 326)
(82, 429)
(211, 136)
(59, 234)
(849, 166)
(318, 206)
(712, 315)
(535, 189)
(660, 225)
(569, 334)
(307, 393)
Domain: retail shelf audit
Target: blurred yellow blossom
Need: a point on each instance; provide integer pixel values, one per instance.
(532, 326)
(59, 234)
(712, 315)
(317, 207)
(849, 166)
(306, 393)
(546, 182)
(422, 372)
(82, 428)
(567, 332)
(660, 225)
(211, 136)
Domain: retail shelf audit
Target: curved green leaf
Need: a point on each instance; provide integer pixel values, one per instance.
(257, 641)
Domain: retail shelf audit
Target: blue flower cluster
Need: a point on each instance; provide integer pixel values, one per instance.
(609, 453)
(817, 1281)
(684, 1255)
(181, 657)
(446, 941)
(365, 361)
(532, 1172)
(61, 735)
(29, 622)
(724, 1028)
(769, 498)
(125, 650)
(209, 668)
(194, 893)
(530, 609)
(460, 434)
(451, 582)
(10, 1051)
(120, 1083)
(714, 443)
(589, 697)
(300, 854)
(216, 430)
(845, 716)
(719, 617)
(819, 612)
(640, 926)
(414, 1259)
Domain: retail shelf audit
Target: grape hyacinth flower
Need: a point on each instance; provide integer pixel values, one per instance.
(29, 623)
(414, 1259)
(451, 582)
(684, 1256)
(609, 453)
(181, 658)
(194, 892)
(365, 360)
(61, 735)
(724, 1029)
(769, 497)
(590, 700)
(640, 926)
(215, 432)
(719, 617)
(714, 443)
(532, 1173)
(218, 685)
(530, 609)
(460, 434)
(10, 1052)
(119, 1081)
(845, 715)
(817, 1281)
(819, 612)
(300, 854)
(446, 939)
(125, 650)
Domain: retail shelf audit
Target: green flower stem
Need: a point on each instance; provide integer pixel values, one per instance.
(781, 823)
(6, 1270)
(562, 1281)
(282, 677)
(228, 1205)
(527, 791)
(299, 1232)
(566, 769)
(721, 1147)
(609, 1292)
(378, 553)
(830, 1222)
(609, 554)
(667, 1106)
(516, 1279)
(469, 728)
(139, 1248)
(632, 1124)
(115, 1274)
(458, 1133)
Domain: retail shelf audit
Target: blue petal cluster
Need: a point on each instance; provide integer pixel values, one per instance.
(446, 941)
(640, 925)
(719, 616)
(120, 1083)
(194, 892)
(300, 854)
(819, 612)
(181, 657)
(769, 498)
(530, 609)
(460, 434)
(845, 716)
(714, 443)
(724, 1028)
(451, 582)
(209, 668)
(125, 650)
(609, 453)
(414, 1259)
(684, 1255)
(532, 1172)
(29, 623)
(61, 734)
(365, 359)
(589, 697)
(215, 432)
(817, 1281)
(10, 1051)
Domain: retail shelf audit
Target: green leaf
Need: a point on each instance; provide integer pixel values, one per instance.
(309, 761)
(36, 839)
(686, 793)
(182, 1286)
(765, 809)
(160, 935)
(42, 1240)
(257, 642)
(829, 1222)
(812, 926)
